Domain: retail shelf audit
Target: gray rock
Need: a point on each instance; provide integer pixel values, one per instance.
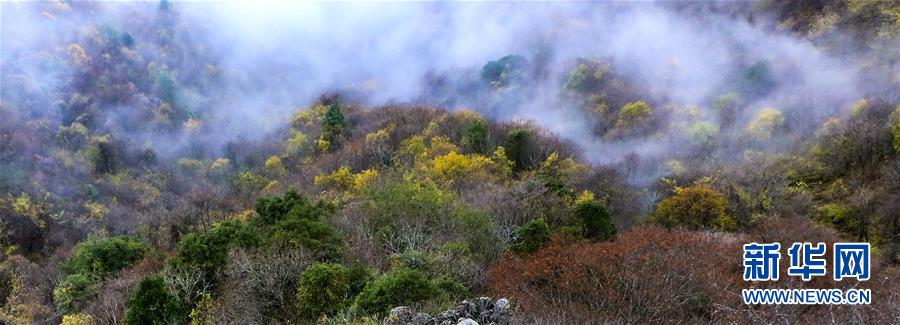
(482, 310)
(467, 321)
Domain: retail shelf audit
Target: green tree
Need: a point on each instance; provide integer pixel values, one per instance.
(334, 125)
(73, 290)
(293, 220)
(503, 72)
(99, 257)
(518, 142)
(396, 288)
(595, 220)
(208, 251)
(634, 114)
(324, 288)
(695, 207)
(531, 236)
(475, 137)
(152, 304)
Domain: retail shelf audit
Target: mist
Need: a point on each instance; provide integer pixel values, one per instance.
(280, 57)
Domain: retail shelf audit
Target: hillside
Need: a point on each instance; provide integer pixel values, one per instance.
(210, 163)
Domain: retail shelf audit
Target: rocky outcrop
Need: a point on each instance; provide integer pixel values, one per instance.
(481, 311)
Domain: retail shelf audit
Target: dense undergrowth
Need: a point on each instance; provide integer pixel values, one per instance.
(117, 208)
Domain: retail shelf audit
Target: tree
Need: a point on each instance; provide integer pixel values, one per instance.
(695, 207)
(595, 220)
(634, 114)
(475, 137)
(757, 80)
(503, 72)
(586, 77)
(72, 291)
(99, 257)
(334, 125)
(531, 236)
(292, 220)
(324, 288)
(767, 121)
(208, 251)
(152, 304)
(396, 288)
(77, 319)
(518, 142)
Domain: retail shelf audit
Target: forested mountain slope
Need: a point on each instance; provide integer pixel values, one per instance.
(213, 163)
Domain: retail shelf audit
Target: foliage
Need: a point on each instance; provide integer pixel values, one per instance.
(454, 166)
(571, 277)
(77, 319)
(695, 207)
(518, 142)
(293, 221)
(151, 303)
(531, 236)
(341, 179)
(274, 167)
(767, 121)
(73, 290)
(334, 126)
(703, 133)
(586, 76)
(595, 220)
(503, 72)
(99, 257)
(296, 143)
(475, 137)
(326, 288)
(401, 287)
(757, 80)
(208, 250)
(634, 114)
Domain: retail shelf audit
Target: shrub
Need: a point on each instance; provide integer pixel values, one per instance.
(99, 257)
(475, 137)
(767, 121)
(293, 220)
(726, 106)
(152, 303)
(518, 145)
(274, 167)
(324, 288)
(634, 114)
(531, 236)
(341, 179)
(296, 143)
(77, 319)
(611, 282)
(595, 220)
(454, 165)
(503, 72)
(208, 251)
(695, 207)
(757, 80)
(334, 125)
(396, 288)
(72, 290)
(703, 134)
(586, 76)
(249, 182)
(104, 155)
(316, 236)
(73, 136)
